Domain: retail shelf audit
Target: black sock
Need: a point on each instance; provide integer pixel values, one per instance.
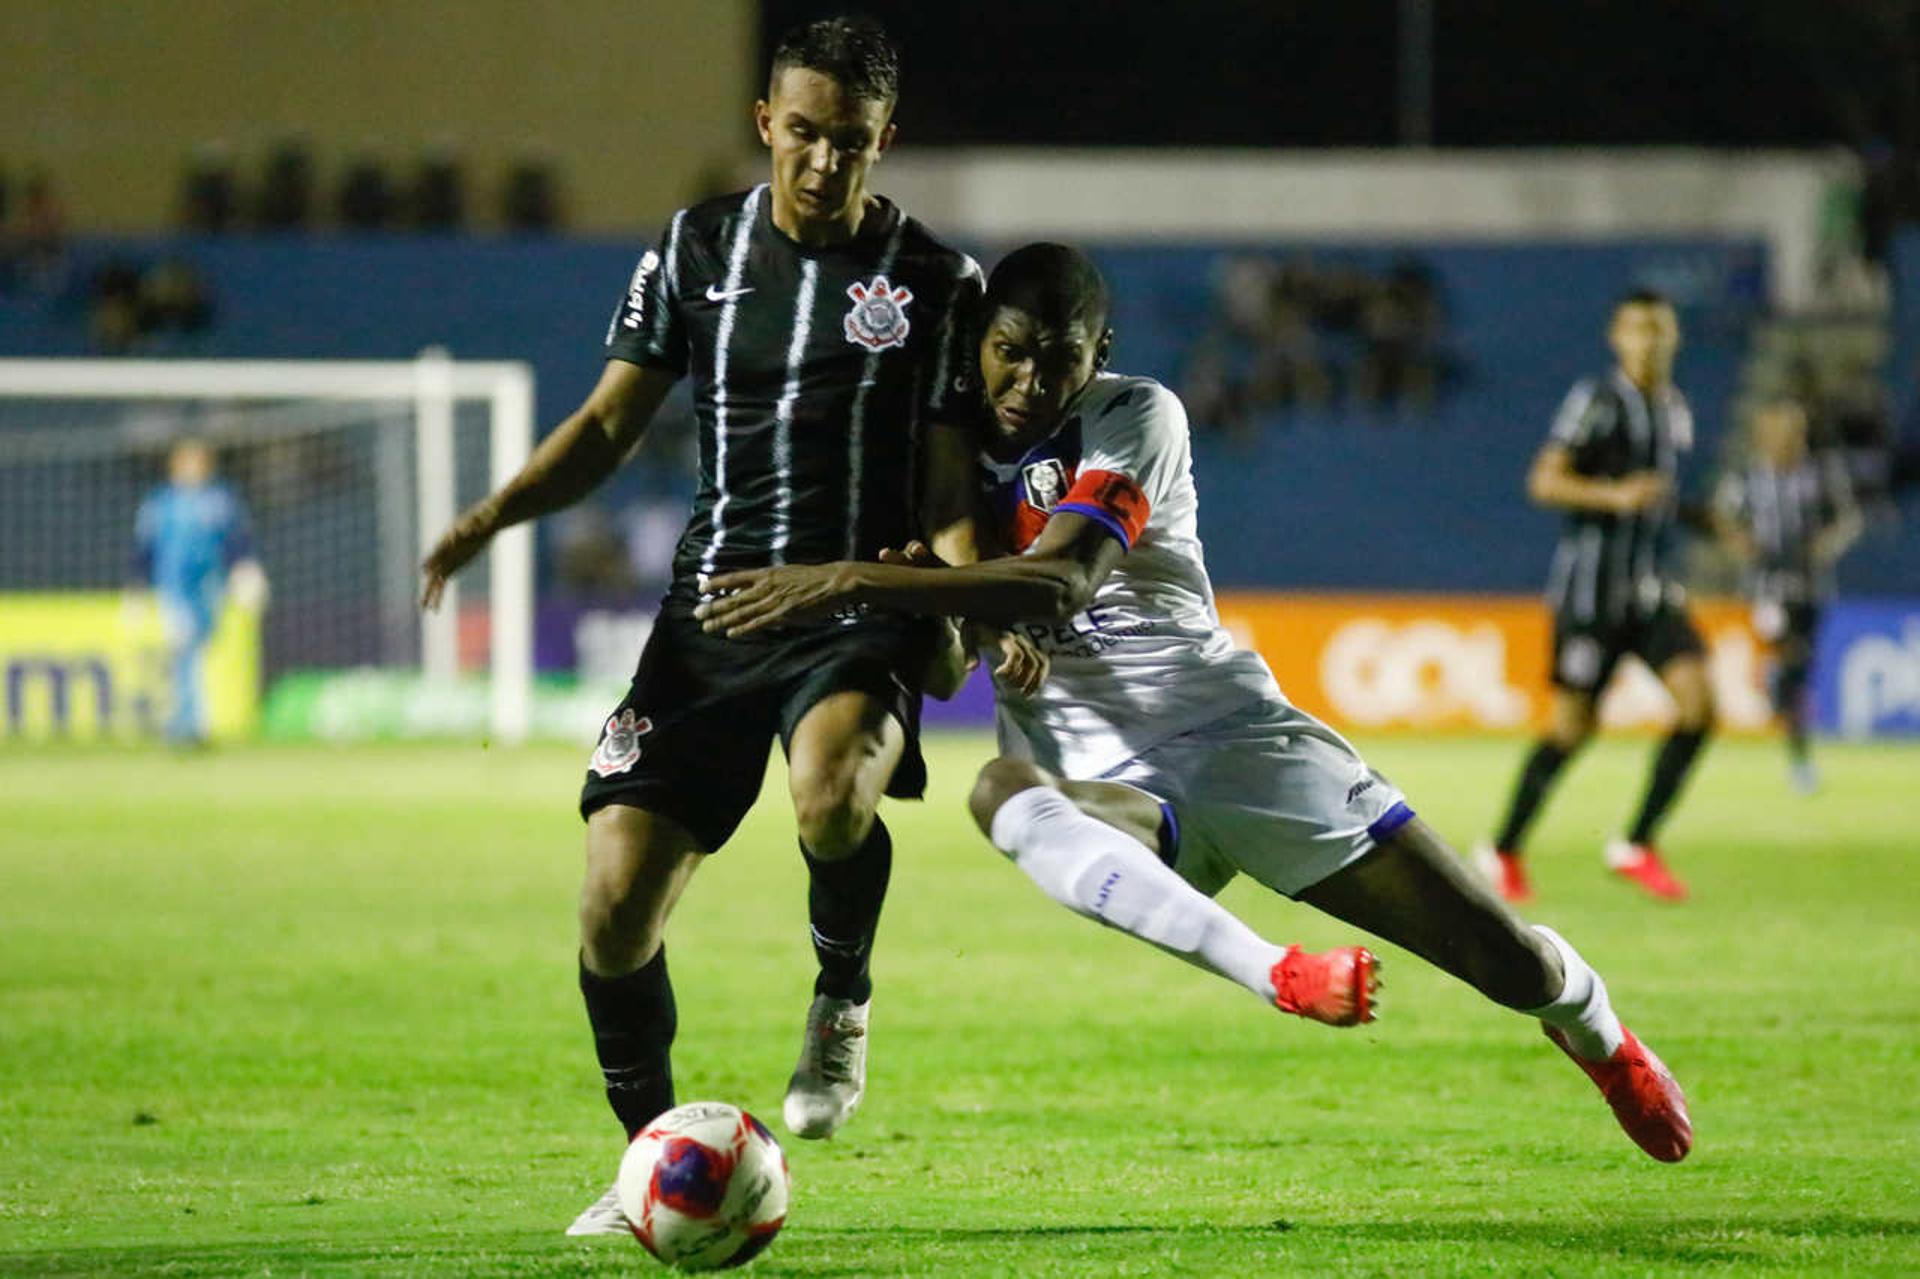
(843, 904)
(1536, 778)
(633, 1021)
(1790, 703)
(1670, 769)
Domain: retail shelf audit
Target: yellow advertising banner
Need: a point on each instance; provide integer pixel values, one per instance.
(1466, 662)
(90, 665)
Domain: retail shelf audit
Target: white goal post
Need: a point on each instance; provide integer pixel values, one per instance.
(420, 398)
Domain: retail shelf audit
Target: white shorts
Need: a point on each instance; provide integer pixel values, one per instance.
(1269, 791)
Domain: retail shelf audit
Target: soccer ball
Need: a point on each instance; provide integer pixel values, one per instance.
(705, 1186)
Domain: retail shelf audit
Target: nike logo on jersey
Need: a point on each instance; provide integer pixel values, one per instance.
(717, 294)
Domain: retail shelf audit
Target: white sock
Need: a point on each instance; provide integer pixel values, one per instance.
(1095, 870)
(1582, 1011)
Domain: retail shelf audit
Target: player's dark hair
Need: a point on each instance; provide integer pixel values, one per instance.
(855, 52)
(1642, 296)
(1054, 283)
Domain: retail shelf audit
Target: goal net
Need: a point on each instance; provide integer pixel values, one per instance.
(345, 471)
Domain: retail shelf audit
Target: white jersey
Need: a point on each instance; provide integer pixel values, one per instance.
(1148, 660)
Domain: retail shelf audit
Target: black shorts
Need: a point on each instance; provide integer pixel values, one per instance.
(689, 740)
(1585, 653)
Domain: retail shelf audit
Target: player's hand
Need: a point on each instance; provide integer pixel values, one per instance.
(1023, 666)
(1640, 491)
(754, 599)
(459, 544)
(915, 554)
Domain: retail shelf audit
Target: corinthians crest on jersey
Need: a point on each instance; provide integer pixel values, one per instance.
(878, 319)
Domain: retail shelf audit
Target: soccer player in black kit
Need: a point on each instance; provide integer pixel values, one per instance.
(1610, 464)
(1788, 515)
(824, 331)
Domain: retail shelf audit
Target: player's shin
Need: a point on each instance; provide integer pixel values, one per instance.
(844, 897)
(1536, 779)
(1096, 870)
(634, 1019)
(1581, 1011)
(1671, 765)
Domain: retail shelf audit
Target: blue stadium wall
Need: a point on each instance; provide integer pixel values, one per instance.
(1354, 498)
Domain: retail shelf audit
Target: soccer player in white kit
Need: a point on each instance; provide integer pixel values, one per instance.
(1158, 761)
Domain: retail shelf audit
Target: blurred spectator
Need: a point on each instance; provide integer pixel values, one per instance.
(209, 195)
(1303, 334)
(1852, 416)
(285, 199)
(114, 320)
(439, 192)
(531, 200)
(133, 308)
(1401, 324)
(175, 299)
(367, 201)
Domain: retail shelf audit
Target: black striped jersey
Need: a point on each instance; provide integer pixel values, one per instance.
(1612, 568)
(814, 372)
(1784, 511)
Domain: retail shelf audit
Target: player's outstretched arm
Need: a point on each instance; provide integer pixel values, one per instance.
(1553, 482)
(1053, 580)
(567, 465)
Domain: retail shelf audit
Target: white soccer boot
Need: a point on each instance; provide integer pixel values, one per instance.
(602, 1217)
(831, 1075)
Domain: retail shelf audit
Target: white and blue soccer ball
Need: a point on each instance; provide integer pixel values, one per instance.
(704, 1186)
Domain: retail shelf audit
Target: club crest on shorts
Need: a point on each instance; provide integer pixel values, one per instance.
(619, 747)
(1046, 483)
(878, 319)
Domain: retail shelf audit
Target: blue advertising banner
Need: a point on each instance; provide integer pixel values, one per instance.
(1866, 669)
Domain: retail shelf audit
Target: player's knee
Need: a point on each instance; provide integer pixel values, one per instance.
(1570, 735)
(617, 930)
(1000, 780)
(833, 817)
(1696, 713)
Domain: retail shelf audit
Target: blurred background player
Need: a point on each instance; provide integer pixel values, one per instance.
(1611, 464)
(1788, 515)
(191, 545)
(821, 327)
(1159, 761)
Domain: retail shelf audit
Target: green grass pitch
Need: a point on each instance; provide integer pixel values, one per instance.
(312, 1011)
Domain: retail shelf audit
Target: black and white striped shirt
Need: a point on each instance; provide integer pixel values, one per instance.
(1608, 568)
(1785, 511)
(814, 372)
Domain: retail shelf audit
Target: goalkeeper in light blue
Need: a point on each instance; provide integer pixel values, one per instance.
(192, 546)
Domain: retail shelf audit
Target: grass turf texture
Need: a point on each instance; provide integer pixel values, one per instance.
(312, 1011)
